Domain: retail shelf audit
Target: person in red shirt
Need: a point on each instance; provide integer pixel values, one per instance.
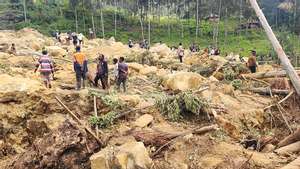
(46, 68)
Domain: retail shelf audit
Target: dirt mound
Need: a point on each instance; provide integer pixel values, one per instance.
(66, 147)
(26, 39)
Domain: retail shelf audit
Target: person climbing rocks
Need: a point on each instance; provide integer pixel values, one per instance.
(102, 72)
(46, 68)
(80, 38)
(13, 49)
(252, 65)
(122, 74)
(180, 52)
(130, 43)
(80, 68)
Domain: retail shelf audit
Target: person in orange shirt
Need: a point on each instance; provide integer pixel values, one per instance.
(80, 68)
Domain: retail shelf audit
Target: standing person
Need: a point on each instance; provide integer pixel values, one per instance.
(80, 67)
(91, 33)
(102, 72)
(122, 73)
(46, 68)
(180, 52)
(193, 48)
(252, 65)
(75, 39)
(80, 38)
(116, 68)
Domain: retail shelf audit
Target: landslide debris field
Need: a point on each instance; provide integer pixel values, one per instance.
(206, 113)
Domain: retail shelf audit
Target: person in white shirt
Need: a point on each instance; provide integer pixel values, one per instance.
(80, 38)
(180, 52)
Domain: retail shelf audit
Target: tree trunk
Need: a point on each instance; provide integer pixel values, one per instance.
(270, 74)
(217, 32)
(225, 27)
(293, 165)
(76, 20)
(102, 22)
(266, 91)
(25, 10)
(141, 22)
(291, 148)
(93, 23)
(197, 19)
(115, 17)
(278, 48)
(290, 139)
(149, 22)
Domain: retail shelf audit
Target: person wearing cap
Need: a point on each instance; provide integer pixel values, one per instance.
(46, 68)
(80, 68)
(251, 64)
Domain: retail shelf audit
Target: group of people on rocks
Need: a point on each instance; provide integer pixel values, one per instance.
(80, 65)
(120, 73)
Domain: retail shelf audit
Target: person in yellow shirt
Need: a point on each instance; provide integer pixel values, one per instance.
(80, 68)
(252, 65)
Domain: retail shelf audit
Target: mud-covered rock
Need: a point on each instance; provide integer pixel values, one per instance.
(68, 147)
(131, 155)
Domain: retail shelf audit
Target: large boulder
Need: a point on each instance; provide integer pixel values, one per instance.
(148, 70)
(56, 51)
(130, 155)
(182, 81)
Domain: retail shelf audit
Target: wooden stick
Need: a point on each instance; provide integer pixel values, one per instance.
(287, 66)
(266, 91)
(281, 101)
(96, 114)
(280, 108)
(78, 120)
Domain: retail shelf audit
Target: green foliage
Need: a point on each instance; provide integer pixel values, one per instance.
(229, 74)
(237, 84)
(177, 106)
(105, 120)
(112, 101)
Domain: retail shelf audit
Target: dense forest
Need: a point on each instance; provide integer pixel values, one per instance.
(207, 22)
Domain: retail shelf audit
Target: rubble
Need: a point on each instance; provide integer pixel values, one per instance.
(36, 132)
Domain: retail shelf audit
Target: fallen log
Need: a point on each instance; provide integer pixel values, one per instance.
(290, 139)
(293, 165)
(158, 138)
(67, 86)
(292, 148)
(266, 91)
(269, 74)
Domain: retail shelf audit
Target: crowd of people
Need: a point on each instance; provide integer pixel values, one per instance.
(120, 72)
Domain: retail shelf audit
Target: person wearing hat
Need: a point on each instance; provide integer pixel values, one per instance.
(251, 64)
(80, 68)
(46, 68)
